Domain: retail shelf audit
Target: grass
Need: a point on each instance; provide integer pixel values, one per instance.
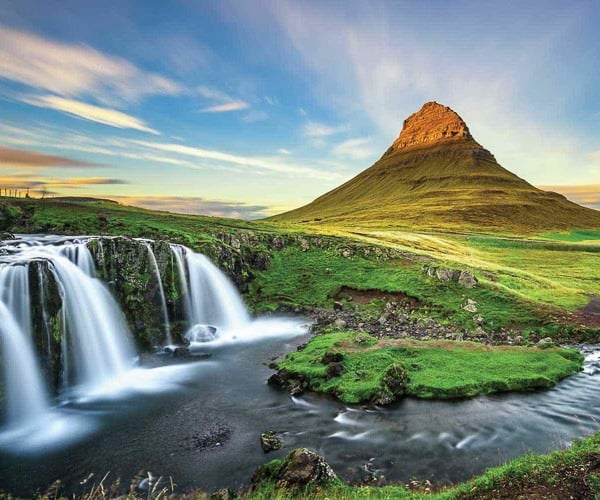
(549, 274)
(425, 369)
(576, 235)
(571, 473)
(309, 279)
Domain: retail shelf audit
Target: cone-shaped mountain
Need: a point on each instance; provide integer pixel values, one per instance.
(435, 176)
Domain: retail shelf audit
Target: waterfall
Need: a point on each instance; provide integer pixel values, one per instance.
(210, 299)
(96, 343)
(161, 290)
(95, 327)
(26, 398)
(78, 253)
(14, 293)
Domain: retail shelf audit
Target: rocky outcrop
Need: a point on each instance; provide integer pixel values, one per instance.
(302, 467)
(127, 267)
(464, 278)
(434, 123)
(46, 306)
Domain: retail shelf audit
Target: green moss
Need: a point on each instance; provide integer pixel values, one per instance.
(375, 369)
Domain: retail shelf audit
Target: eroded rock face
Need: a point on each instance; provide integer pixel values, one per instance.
(432, 124)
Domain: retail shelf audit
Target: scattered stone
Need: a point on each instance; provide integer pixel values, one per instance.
(304, 245)
(340, 323)
(181, 352)
(300, 468)
(545, 343)
(464, 278)
(382, 319)
(478, 320)
(444, 274)
(467, 280)
(270, 441)
(338, 306)
(470, 306)
(224, 494)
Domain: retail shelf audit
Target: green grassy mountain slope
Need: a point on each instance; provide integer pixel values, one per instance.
(435, 176)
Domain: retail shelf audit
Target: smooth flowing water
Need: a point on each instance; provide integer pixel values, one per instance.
(204, 428)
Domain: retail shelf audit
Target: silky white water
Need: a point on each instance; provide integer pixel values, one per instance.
(209, 296)
(96, 329)
(97, 357)
(161, 290)
(26, 397)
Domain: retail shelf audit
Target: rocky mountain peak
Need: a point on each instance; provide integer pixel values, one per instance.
(433, 123)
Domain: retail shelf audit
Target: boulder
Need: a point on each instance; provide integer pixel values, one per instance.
(270, 441)
(300, 468)
(340, 323)
(470, 306)
(444, 274)
(467, 280)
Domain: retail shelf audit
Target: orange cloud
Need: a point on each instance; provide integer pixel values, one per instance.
(587, 195)
(21, 158)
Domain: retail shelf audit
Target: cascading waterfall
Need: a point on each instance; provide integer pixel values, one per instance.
(210, 298)
(26, 397)
(58, 320)
(96, 329)
(161, 291)
(78, 253)
(15, 293)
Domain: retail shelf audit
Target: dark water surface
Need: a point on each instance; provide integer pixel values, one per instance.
(203, 429)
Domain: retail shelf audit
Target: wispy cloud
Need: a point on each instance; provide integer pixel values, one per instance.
(24, 158)
(320, 130)
(355, 149)
(227, 107)
(196, 206)
(222, 101)
(587, 195)
(257, 163)
(73, 70)
(90, 112)
(372, 63)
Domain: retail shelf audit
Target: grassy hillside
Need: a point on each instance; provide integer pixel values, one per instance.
(448, 187)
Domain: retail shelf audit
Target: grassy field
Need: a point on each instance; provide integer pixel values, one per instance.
(310, 278)
(559, 273)
(357, 368)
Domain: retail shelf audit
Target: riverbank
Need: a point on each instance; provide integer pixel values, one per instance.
(572, 473)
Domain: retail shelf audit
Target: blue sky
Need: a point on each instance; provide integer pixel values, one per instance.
(249, 108)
